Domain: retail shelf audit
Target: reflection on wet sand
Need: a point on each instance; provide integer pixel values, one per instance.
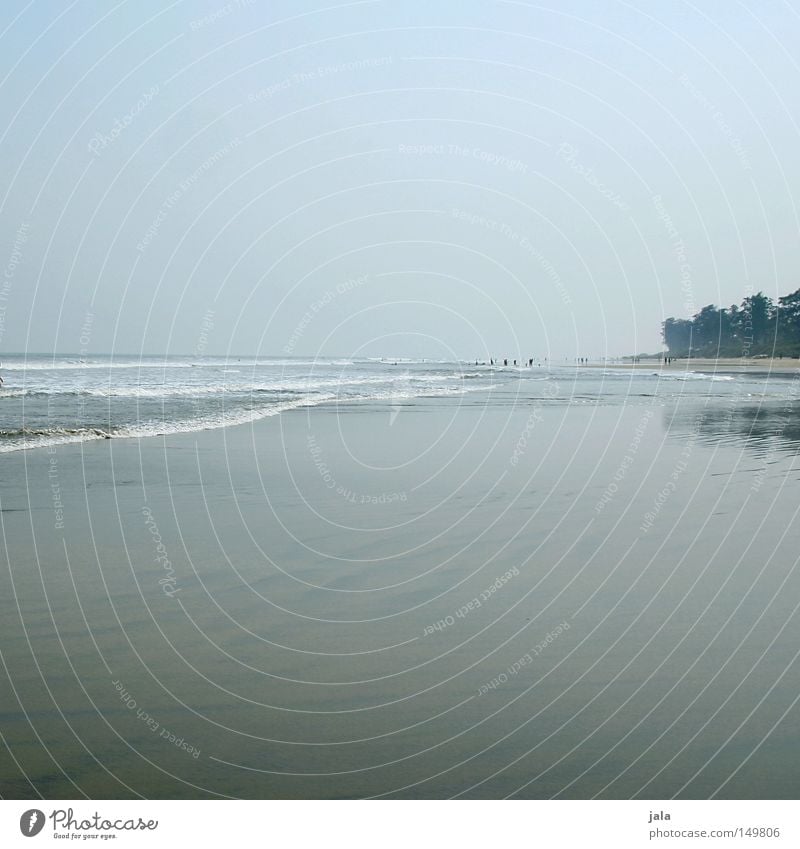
(761, 428)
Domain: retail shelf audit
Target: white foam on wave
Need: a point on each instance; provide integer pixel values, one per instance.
(82, 365)
(698, 375)
(61, 435)
(77, 364)
(665, 375)
(145, 390)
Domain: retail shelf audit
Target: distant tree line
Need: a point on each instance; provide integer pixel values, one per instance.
(758, 327)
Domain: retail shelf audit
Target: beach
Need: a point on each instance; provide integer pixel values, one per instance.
(722, 365)
(509, 592)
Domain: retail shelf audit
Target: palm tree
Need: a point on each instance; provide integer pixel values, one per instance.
(789, 317)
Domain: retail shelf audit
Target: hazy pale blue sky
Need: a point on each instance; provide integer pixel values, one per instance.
(443, 179)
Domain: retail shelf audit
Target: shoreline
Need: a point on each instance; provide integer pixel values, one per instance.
(762, 367)
(729, 365)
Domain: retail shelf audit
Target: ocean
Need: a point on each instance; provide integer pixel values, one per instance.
(345, 579)
(50, 400)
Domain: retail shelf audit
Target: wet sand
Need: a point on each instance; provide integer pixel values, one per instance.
(724, 365)
(448, 597)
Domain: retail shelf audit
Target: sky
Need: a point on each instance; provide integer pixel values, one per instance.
(426, 179)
